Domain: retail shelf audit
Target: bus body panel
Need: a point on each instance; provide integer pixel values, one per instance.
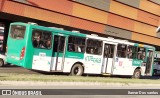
(15, 57)
(124, 66)
(121, 67)
(93, 64)
(15, 45)
(42, 60)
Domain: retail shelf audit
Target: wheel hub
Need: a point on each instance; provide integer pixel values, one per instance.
(76, 71)
(137, 74)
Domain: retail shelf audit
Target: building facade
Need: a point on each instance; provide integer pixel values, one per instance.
(135, 20)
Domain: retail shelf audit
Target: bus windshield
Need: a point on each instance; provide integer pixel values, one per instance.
(17, 31)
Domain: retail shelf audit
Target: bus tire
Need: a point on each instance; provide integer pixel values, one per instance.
(77, 70)
(137, 74)
(1, 63)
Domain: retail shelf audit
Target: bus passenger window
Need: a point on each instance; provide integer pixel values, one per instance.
(38, 42)
(41, 39)
(71, 47)
(131, 52)
(76, 44)
(94, 47)
(141, 53)
(121, 50)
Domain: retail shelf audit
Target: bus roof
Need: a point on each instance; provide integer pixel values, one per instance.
(50, 29)
(82, 35)
(118, 41)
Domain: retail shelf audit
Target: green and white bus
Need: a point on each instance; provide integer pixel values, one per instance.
(56, 50)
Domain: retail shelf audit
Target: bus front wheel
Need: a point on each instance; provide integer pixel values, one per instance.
(137, 74)
(77, 70)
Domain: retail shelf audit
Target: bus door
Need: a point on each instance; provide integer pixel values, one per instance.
(58, 53)
(108, 56)
(149, 61)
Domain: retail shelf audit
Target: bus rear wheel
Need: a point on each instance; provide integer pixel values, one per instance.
(1, 63)
(77, 70)
(137, 74)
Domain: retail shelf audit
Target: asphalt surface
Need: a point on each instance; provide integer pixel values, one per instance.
(15, 69)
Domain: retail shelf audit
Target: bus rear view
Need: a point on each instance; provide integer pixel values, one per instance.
(16, 44)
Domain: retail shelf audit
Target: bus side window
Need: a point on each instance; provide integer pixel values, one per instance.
(36, 38)
(121, 50)
(94, 47)
(41, 39)
(131, 52)
(141, 53)
(76, 44)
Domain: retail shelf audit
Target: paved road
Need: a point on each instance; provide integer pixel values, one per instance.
(16, 69)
